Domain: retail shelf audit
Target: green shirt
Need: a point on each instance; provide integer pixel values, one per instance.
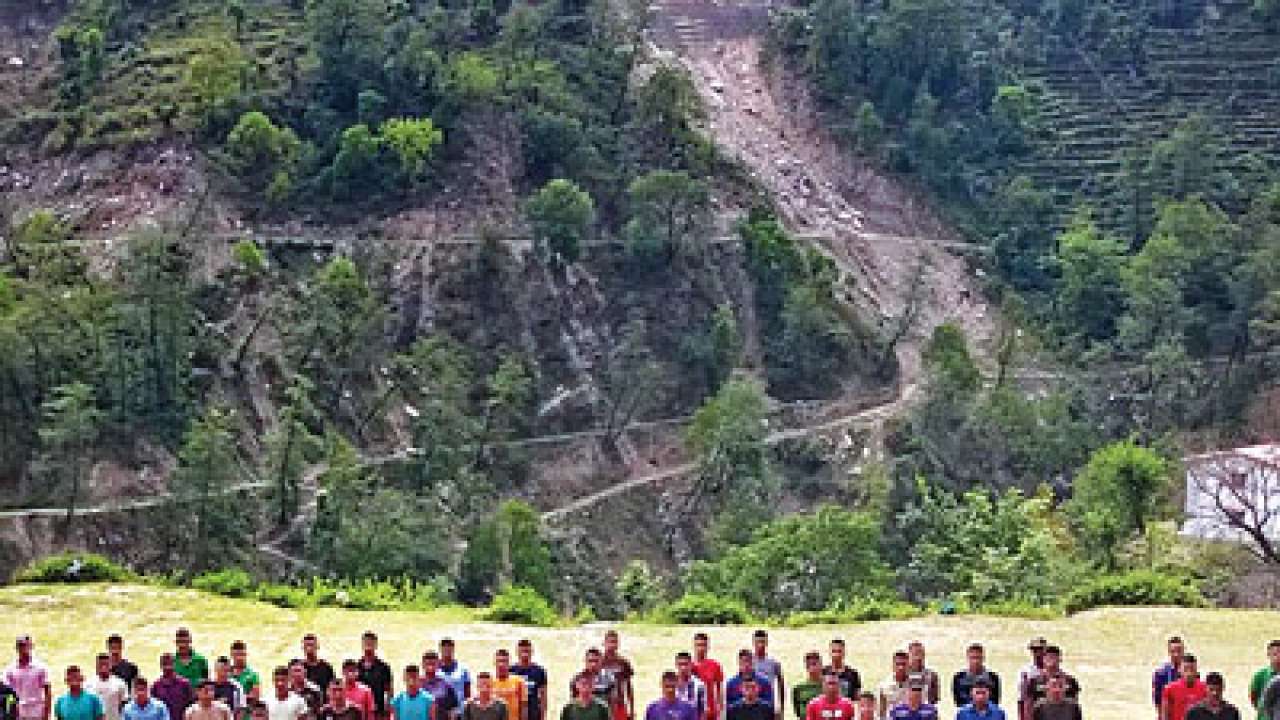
(1257, 685)
(594, 711)
(801, 694)
(248, 679)
(194, 669)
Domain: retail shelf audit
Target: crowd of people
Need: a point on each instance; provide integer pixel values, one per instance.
(695, 688)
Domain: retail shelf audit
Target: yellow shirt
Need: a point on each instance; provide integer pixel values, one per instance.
(513, 694)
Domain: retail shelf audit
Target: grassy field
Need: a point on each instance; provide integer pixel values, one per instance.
(1111, 651)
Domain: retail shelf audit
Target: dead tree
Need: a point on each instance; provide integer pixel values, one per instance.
(1235, 494)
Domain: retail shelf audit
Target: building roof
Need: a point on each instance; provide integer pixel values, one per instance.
(1263, 454)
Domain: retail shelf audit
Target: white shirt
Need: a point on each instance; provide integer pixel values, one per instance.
(29, 682)
(112, 692)
(290, 708)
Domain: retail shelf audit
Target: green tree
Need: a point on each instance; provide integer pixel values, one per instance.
(716, 350)
(868, 128)
(413, 141)
(1091, 292)
(213, 75)
(560, 215)
(215, 528)
(356, 161)
(347, 38)
(667, 105)
(951, 367)
(472, 80)
(505, 550)
(67, 435)
(263, 154)
(1121, 489)
(288, 447)
(727, 440)
(671, 208)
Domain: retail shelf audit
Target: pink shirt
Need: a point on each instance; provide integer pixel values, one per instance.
(29, 682)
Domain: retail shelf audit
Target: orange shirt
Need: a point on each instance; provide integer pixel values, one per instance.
(511, 691)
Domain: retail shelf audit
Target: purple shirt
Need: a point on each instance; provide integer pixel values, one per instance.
(670, 710)
(175, 692)
(1163, 675)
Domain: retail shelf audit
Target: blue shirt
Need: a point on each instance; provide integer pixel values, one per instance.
(153, 710)
(413, 707)
(733, 690)
(969, 713)
(677, 710)
(85, 706)
(459, 679)
(1163, 675)
(904, 712)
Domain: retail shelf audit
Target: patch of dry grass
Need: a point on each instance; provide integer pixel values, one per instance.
(1111, 651)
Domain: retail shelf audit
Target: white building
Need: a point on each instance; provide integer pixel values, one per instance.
(1234, 495)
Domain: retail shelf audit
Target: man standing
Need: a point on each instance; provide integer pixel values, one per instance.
(1039, 687)
(850, 681)
(319, 671)
(916, 666)
(357, 692)
(976, 670)
(376, 674)
(1055, 705)
(1260, 679)
(750, 706)
(770, 669)
(282, 704)
(172, 689)
(485, 705)
(509, 688)
(453, 671)
(811, 687)
(302, 687)
(734, 691)
(1213, 707)
(120, 667)
(614, 663)
(206, 706)
(668, 706)
(1167, 672)
(893, 690)
(338, 708)
(240, 670)
(535, 680)
(688, 687)
(143, 707)
(584, 705)
(710, 673)
(225, 688)
(980, 706)
(187, 662)
(603, 685)
(30, 680)
(109, 688)
(413, 703)
(1178, 696)
(1028, 675)
(444, 700)
(866, 709)
(831, 704)
(77, 704)
(915, 708)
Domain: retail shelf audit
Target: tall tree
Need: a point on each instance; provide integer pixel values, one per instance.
(214, 522)
(1120, 490)
(67, 434)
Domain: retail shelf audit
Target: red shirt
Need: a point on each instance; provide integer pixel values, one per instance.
(712, 675)
(360, 697)
(820, 709)
(1179, 697)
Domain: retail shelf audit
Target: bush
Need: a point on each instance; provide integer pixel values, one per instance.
(229, 582)
(855, 610)
(1140, 587)
(706, 609)
(640, 589)
(286, 596)
(522, 605)
(74, 568)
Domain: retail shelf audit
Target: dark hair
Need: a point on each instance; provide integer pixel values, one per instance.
(182, 632)
(903, 654)
(280, 671)
(1052, 650)
(410, 669)
(1188, 658)
(744, 653)
(866, 695)
(115, 639)
(611, 633)
(257, 706)
(760, 634)
(976, 647)
(483, 675)
(222, 659)
(204, 684)
(981, 683)
(502, 652)
(73, 669)
(446, 641)
(682, 655)
(670, 675)
(837, 641)
(703, 636)
(310, 636)
(296, 661)
(369, 635)
(1175, 639)
(101, 657)
(139, 682)
(349, 663)
(239, 645)
(525, 642)
(1214, 678)
(813, 655)
(1273, 644)
(592, 651)
(430, 655)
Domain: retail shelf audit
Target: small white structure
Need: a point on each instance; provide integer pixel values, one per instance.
(1235, 495)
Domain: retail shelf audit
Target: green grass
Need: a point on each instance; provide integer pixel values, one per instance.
(1111, 651)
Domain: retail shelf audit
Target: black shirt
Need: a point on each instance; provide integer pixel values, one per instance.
(126, 671)
(377, 675)
(320, 673)
(8, 703)
(757, 710)
(535, 678)
(1040, 687)
(962, 686)
(1201, 711)
(350, 712)
(850, 682)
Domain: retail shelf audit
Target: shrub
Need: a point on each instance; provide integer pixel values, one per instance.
(286, 596)
(1140, 587)
(640, 589)
(523, 605)
(74, 567)
(230, 582)
(855, 610)
(707, 609)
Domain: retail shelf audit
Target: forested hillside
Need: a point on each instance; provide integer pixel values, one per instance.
(606, 306)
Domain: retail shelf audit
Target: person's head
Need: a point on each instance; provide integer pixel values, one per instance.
(760, 642)
(222, 668)
(1216, 686)
(837, 653)
(24, 645)
(1036, 648)
(524, 651)
(915, 694)
(1057, 688)
(976, 656)
(350, 671)
(115, 646)
(447, 648)
(484, 685)
(502, 663)
(337, 695)
(310, 646)
(102, 665)
(592, 660)
(669, 682)
(239, 654)
(204, 692)
(369, 642)
(1052, 658)
(430, 663)
(75, 678)
(412, 679)
(582, 687)
(701, 643)
(830, 686)
(746, 663)
(141, 690)
(684, 665)
(297, 673)
(866, 705)
(980, 695)
(901, 661)
(280, 678)
(258, 711)
(611, 642)
(1273, 653)
(182, 640)
(1190, 669)
(750, 690)
(166, 664)
(1176, 650)
(915, 652)
(813, 665)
